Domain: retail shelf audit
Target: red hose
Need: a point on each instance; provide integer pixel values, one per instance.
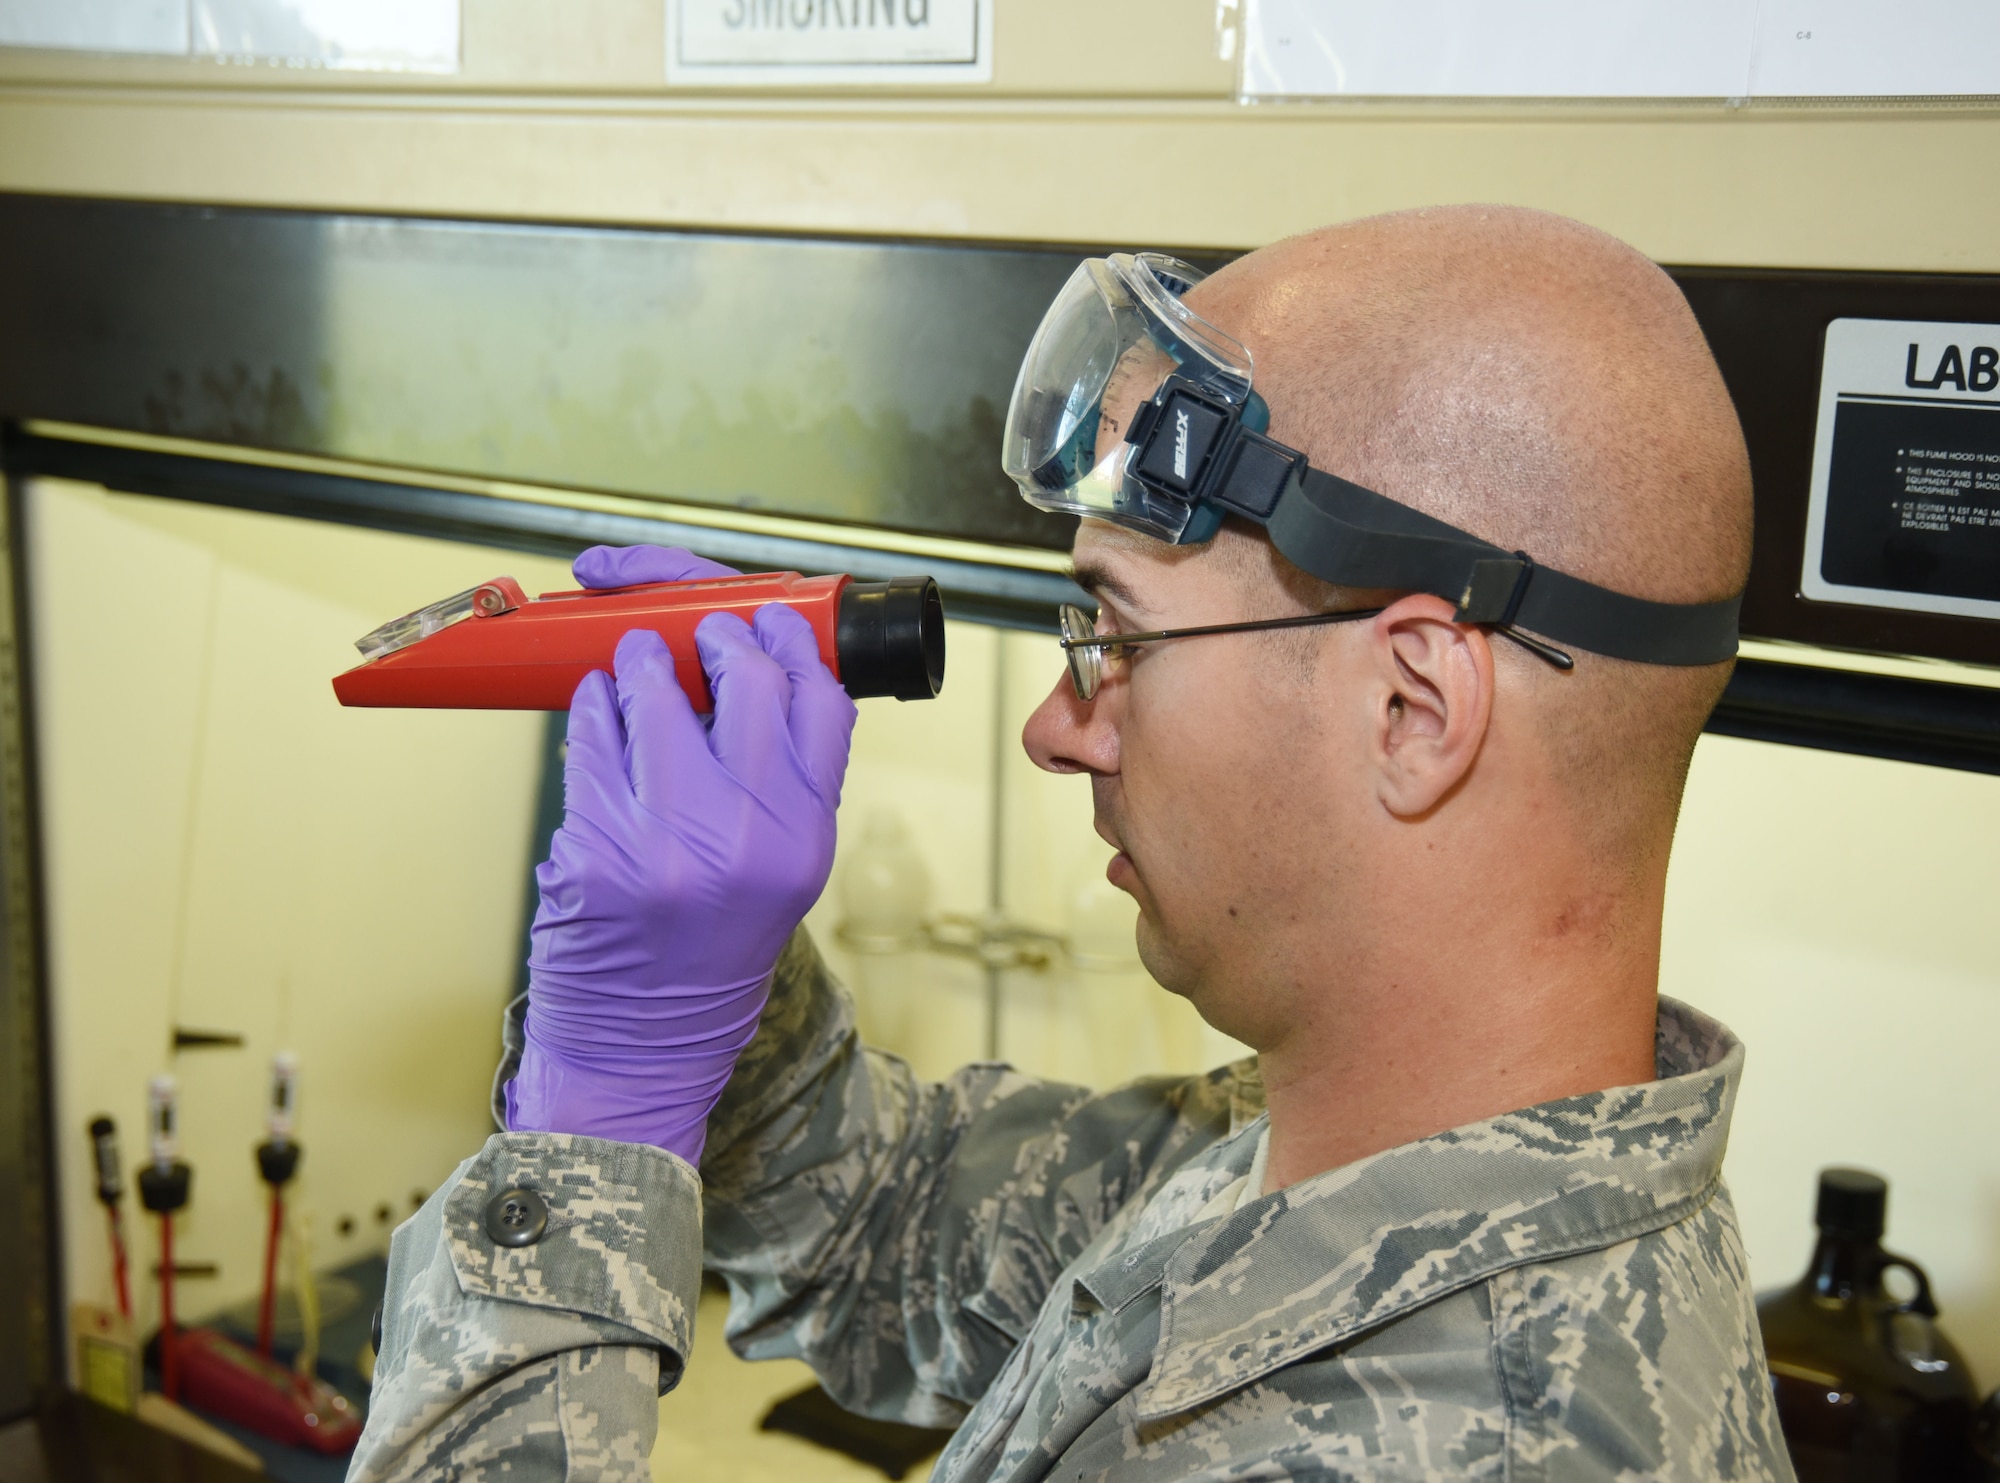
(267, 1310)
(170, 1385)
(118, 1263)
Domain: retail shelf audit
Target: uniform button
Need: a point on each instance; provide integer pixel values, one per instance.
(375, 1330)
(516, 1217)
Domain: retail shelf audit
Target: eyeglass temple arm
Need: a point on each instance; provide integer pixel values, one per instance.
(1543, 651)
(1115, 640)
(1546, 652)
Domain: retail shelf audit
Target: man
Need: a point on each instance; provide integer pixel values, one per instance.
(1407, 842)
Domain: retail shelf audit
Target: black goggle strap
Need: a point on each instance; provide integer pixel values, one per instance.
(1199, 450)
(1343, 533)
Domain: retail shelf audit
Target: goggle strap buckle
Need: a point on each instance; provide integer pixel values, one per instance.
(1255, 474)
(1494, 590)
(1183, 442)
(1195, 448)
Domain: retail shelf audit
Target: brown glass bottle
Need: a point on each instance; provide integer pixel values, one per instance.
(1869, 1389)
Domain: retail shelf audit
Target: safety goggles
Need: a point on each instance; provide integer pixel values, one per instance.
(1115, 333)
(1090, 653)
(1131, 408)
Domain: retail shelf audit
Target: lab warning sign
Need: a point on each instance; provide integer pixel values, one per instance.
(781, 43)
(1905, 503)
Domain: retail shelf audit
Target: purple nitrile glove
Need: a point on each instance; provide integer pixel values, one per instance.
(628, 566)
(686, 857)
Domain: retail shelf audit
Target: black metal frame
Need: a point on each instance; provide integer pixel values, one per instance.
(1866, 715)
(31, 1364)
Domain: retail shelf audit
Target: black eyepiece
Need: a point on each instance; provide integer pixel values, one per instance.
(891, 639)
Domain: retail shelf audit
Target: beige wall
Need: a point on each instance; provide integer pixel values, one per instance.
(227, 849)
(561, 112)
(1837, 913)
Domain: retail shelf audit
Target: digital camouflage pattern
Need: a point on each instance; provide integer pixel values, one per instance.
(1558, 1293)
(540, 1361)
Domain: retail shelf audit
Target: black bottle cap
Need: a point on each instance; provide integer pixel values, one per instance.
(890, 636)
(276, 1161)
(1852, 1203)
(164, 1191)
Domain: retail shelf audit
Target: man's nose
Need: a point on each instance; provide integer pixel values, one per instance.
(1066, 734)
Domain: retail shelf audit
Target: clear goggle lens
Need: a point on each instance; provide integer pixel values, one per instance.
(1115, 332)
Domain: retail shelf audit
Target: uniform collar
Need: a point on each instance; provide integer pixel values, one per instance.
(1357, 1247)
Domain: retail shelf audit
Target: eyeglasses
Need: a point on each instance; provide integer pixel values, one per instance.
(1088, 652)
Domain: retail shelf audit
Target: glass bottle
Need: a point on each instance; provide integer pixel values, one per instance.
(885, 899)
(1869, 1389)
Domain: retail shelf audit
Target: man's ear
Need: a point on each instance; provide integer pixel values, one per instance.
(1430, 703)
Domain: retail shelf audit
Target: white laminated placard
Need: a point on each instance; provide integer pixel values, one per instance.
(787, 43)
(1904, 508)
(1497, 48)
(1619, 48)
(1866, 48)
(360, 35)
(353, 35)
(159, 26)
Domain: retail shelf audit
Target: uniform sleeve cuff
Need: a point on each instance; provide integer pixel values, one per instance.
(555, 1220)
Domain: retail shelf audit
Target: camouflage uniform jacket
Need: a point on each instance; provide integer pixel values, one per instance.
(1557, 1293)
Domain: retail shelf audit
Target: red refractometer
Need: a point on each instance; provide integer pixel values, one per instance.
(492, 648)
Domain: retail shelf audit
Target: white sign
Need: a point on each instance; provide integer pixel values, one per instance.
(1865, 48)
(1627, 49)
(96, 25)
(361, 35)
(372, 35)
(1904, 509)
(785, 43)
(1479, 49)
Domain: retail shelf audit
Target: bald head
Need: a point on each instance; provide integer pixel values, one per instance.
(1543, 386)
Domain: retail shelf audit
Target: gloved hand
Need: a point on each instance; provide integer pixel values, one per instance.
(685, 859)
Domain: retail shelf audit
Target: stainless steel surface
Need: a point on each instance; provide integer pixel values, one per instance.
(846, 380)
